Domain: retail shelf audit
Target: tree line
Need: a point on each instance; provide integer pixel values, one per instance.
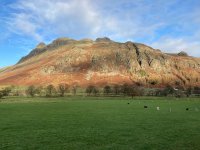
(91, 90)
(115, 90)
(48, 91)
(5, 92)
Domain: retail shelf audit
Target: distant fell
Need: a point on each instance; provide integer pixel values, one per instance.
(101, 62)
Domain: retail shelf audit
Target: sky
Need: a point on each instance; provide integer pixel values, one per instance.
(169, 25)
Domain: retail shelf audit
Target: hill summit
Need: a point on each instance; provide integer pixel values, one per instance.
(103, 61)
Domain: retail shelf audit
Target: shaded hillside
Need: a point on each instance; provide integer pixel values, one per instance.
(101, 62)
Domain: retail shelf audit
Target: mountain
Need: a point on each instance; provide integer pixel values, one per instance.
(100, 62)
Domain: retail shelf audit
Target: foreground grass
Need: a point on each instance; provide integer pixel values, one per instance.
(99, 123)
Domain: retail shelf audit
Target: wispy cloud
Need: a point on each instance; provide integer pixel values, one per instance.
(172, 45)
(81, 18)
(43, 18)
(169, 25)
(22, 24)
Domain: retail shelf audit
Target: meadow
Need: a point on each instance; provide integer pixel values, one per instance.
(99, 123)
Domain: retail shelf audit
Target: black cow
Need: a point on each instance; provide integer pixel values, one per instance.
(145, 106)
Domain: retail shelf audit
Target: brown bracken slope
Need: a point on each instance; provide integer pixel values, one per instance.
(103, 61)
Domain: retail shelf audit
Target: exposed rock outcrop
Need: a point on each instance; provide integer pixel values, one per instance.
(182, 53)
(105, 39)
(41, 47)
(101, 62)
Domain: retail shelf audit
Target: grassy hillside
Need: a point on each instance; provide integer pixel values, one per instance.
(101, 62)
(3, 69)
(94, 123)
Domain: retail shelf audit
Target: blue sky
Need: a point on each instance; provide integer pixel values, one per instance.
(170, 25)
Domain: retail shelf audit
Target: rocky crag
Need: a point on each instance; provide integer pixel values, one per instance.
(100, 62)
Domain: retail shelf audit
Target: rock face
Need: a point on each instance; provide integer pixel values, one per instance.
(41, 45)
(101, 62)
(40, 48)
(105, 39)
(182, 53)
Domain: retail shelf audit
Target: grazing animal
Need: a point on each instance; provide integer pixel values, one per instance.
(158, 108)
(187, 109)
(145, 106)
(128, 103)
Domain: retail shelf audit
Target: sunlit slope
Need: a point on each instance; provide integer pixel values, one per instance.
(101, 62)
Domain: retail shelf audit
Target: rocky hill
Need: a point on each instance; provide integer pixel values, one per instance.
(101, 62)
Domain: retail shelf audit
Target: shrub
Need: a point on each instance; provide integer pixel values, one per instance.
(153, 82)
(142, 73)
(182, 53)
(180, 93)
(118, 58)
(6, 91)
(16, 93)
(31, 91)
(1, 94)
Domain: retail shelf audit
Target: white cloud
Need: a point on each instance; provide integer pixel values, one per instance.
(22, 23)
(78, 17)
(55, 17)
(119, 20)
(173, 45)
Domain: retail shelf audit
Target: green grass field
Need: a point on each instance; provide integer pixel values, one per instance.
(89, 123)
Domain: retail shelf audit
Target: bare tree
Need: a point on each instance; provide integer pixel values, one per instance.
(116, 89)
(31, 91)
(196, 90)
(125, 89)
(92, 90)
(134, 91)
(189, 92)
(63, 88)
(50, 90)
(74, 89)
(96, 91)
(107, 90)
(89, 89)
(169, 90)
